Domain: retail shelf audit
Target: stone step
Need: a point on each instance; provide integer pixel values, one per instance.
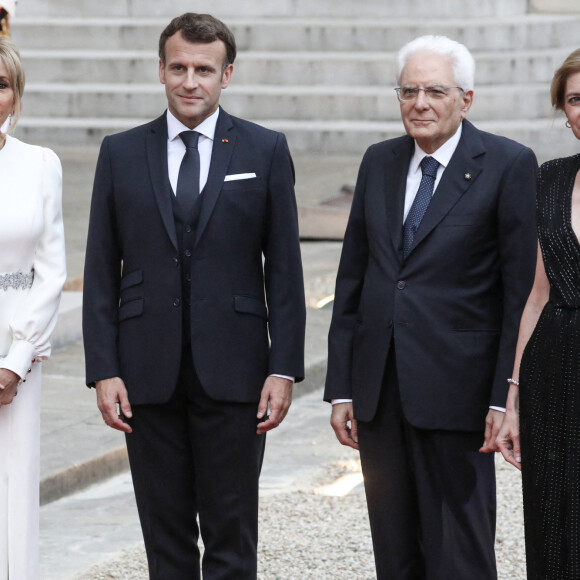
(422, 9)
(548, 137)
(306, 34)
(275, 102)
(326, 81)
(283, 68)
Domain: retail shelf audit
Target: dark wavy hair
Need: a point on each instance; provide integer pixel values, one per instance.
(200, 28)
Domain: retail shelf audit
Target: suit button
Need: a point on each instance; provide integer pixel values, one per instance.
(176, 261)
(401, 284)
(390, 324)
(188, 253)
(176, 302)
(188, 229)
(188, 278)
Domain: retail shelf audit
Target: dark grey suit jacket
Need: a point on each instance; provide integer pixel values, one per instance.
(452, 308)
(247, 297)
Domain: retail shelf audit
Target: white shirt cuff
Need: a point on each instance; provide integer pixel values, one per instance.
(502, 409)
(283, 377)
(336, 401)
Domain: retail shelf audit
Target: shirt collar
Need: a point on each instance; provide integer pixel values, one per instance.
(206, 127)
(442, 155)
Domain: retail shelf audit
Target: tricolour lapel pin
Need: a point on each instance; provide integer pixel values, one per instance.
(225, 141)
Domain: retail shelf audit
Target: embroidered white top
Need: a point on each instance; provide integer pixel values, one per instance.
(32, 255)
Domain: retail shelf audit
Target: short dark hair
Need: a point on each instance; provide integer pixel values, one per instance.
(558, 89)
(200, 28)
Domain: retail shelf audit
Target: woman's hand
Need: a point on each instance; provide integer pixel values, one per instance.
(8, 386)
(508, 439)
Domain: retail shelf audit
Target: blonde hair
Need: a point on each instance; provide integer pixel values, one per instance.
(558, 88)
(10, 56)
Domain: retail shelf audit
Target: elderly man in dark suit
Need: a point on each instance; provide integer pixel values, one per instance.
(194, 309)
(438, 260)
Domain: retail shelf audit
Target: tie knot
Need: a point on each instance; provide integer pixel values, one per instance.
(189, 139)
(429, 166)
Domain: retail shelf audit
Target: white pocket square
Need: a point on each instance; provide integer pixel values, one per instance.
(236, 176)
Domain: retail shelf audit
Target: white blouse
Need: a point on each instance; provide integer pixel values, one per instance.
(32, 254)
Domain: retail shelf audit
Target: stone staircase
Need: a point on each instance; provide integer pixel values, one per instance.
(322, 71)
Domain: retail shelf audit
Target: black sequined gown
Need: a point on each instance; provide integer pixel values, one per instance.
(550, 390)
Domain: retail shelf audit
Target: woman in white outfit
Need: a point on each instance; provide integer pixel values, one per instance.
(32, 273)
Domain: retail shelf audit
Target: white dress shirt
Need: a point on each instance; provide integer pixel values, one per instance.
(414, 175)
(176, 147)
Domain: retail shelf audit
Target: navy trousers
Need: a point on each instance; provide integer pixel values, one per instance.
(195, 457)
(430, 496)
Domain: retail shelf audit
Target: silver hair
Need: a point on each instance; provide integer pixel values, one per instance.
(461, 60)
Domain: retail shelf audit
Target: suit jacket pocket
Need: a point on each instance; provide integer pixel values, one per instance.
(131, 279)
(241, 185)
(131, 309)
(466, 219)
(250, 305)
(131, 288)
(476, 331)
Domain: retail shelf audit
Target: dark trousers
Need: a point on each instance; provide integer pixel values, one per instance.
(430, 496)
(197, 457)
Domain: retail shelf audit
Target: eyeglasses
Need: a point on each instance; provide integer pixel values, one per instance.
(433, 93)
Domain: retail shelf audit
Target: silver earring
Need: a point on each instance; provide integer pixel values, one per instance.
(568, 125)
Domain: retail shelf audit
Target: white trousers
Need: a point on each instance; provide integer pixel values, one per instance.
(19, 482)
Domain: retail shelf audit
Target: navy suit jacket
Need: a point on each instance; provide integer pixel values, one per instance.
(247, 295)
(452, 307)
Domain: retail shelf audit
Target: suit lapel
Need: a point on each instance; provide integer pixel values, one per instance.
(464, 167)
(396, 181)
(156, 145)
(223, 147)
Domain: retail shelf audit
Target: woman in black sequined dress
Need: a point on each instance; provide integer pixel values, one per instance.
(543, 410)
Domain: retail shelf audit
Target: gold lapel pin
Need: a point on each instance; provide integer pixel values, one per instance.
(467, 176)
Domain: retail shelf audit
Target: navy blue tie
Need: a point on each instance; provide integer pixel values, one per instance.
(188, 177)
(429, 167)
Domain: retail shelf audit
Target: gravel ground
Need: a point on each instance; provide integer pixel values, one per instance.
(306, 535)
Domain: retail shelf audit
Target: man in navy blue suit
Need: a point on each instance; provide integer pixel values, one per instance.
(437, 263)
(194, 309)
